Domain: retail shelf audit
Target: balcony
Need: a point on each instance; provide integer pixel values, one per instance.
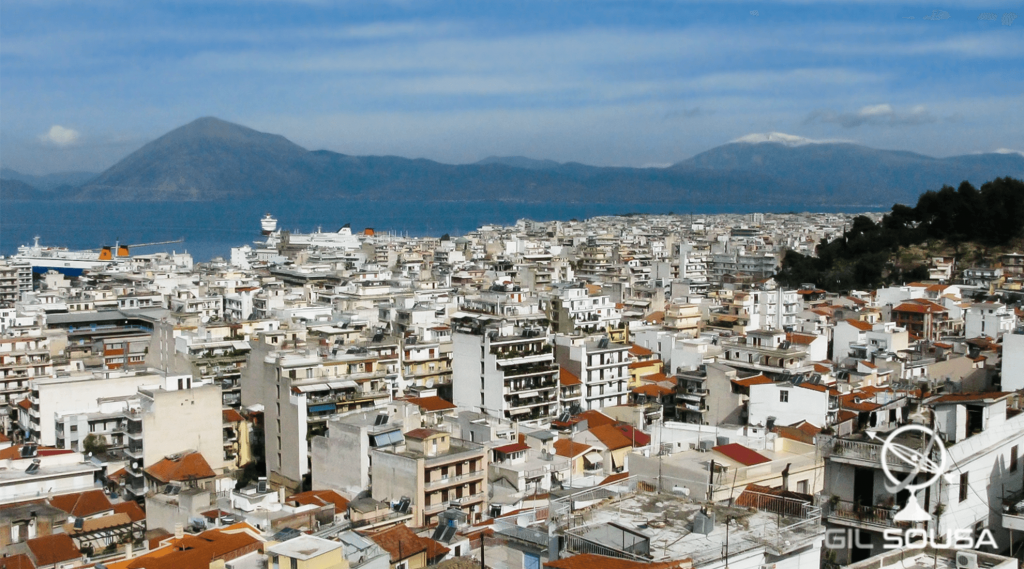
(848, 513)
(453, 479)
(865, 453)
(1013, 511)
(457, 502)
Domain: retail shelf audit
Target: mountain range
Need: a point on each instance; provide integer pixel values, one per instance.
(211, 160)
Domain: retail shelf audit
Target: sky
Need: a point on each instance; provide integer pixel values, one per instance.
(600, 82)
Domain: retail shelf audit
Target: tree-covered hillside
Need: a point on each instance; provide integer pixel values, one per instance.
(865, 256)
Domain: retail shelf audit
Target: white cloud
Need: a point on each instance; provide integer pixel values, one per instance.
(60, 136)
(883, 114)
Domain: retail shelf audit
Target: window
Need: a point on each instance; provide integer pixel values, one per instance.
(963, 486)
(295, 563)
(801, 487)
(277, 562)
(1013, 458)
(784, 396)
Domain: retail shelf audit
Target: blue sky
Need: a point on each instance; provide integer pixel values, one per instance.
(607, 83)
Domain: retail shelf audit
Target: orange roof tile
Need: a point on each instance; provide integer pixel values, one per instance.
(401, 543)
(82, 504)
(652, 390)
(181, 469)
(741, 454)
(131, 509)
(859, 324)
(19, 561)
(567, 378)
(755, 380)
(610, 437)
(53, 549)
(595, 418)
(802, 339)
(645, 363)
(432, 403)
(420, 434)
(614, 478)
(231, 416)
(321, 498)
(639, 351)
(569, 448)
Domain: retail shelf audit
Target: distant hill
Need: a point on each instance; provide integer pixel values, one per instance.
(18, 191)
(520, 162)
(210, 159)
(48, 182)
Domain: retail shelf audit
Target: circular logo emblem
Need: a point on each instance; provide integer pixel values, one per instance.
(894, 453)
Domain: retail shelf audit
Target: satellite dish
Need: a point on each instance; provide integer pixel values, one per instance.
(430, 383)
(135, 465)
(204, 319)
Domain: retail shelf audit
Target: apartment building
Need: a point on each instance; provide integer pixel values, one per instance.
(766, 352)
(576, 309)
(981, 436)
(503, 369)
(601, 366)
(15, 278)
(434, 472)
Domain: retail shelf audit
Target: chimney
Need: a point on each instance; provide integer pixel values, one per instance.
(179, 531)
(785, 478)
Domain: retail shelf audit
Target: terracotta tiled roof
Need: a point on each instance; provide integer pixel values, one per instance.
(802, 339)
(822, 369)
(640, 438)
(14, 452)
(514, 447)
(965, 397)
(181, 469)
(859, 324)
(813, 387)
(25, 404)
(133, 511)
(741, 454)
(756, 380)
(614, 478)
(432, 403)
(19, 561)
(401, 543)
(420, 434)
(231, 416)
(194, 550)
(640, 351)
(53, 549)
(567, 448)
(566, 377)
(595, 418)
(644, 363)
(868, 364)
(593, 561)
(83, 504)
(322, 498)
(610, 437)
(652, 390)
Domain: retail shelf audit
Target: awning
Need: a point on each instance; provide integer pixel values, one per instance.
(311, 387)
(343, 384)
(592, 458)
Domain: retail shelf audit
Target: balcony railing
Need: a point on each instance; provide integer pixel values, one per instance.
(453, 479)
(866, 451)
(874, 515)
(457, 502)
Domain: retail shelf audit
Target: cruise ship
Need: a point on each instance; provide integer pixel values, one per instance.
(341, 239)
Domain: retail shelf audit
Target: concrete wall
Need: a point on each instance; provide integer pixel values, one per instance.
(181, 420)
(803, 405)
(61, 397)
(341, 460)
(1013, 362)
(396, 476)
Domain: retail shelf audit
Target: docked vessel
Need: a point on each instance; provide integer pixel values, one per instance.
(268, 224)
(68, 262)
